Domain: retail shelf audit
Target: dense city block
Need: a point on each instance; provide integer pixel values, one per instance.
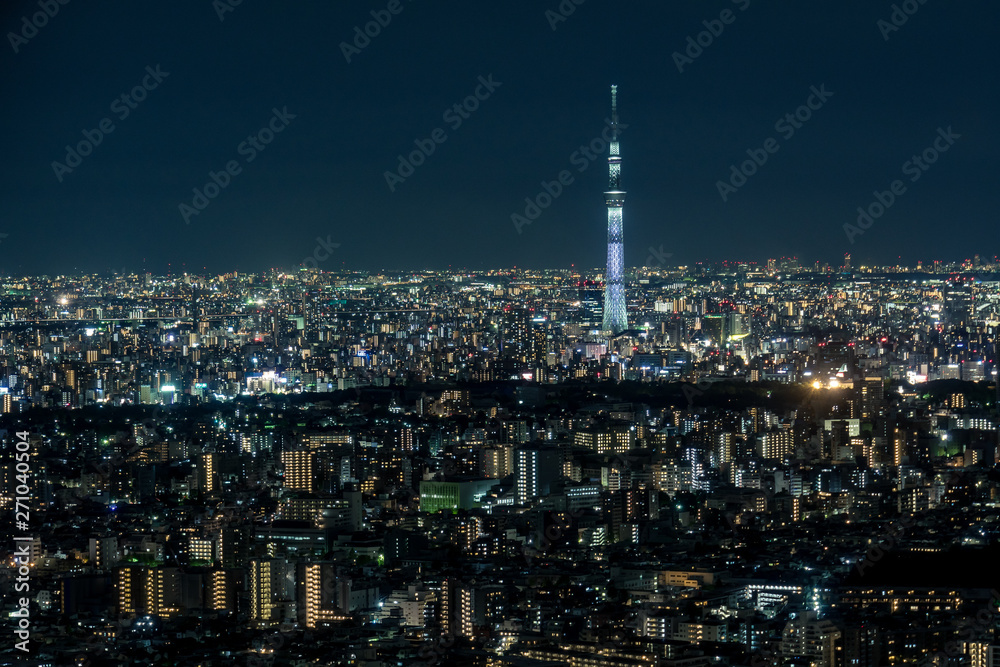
(775, 464)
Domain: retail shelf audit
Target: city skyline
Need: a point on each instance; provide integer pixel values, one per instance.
(326, 339)
(661, 263)
(438, 468)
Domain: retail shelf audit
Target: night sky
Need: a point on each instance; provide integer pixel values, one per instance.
(323, 175)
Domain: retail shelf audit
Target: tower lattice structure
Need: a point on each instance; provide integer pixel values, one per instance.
(615, 314)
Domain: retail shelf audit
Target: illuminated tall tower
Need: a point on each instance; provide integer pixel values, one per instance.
(615, 315)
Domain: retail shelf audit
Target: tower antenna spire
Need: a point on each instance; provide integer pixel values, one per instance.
(614, 110)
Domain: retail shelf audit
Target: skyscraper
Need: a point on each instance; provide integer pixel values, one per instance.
(615, 316)
(591, 302)
(516, 333)
(959, 301)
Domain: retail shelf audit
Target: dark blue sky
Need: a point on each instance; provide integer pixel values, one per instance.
(323, 175)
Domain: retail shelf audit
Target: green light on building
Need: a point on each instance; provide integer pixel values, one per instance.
(453, 496)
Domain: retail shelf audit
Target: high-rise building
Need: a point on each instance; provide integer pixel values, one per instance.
(959, 301)
(539, 345)
(468, 611)
(263, 591)
(128, 588)
(104, 552)
(208, 472)
(872, 396)
(721, 328)
(535, 468)
(300, 470)
(234, 546)
(810, 638)
(517, 333)
(615, 314)
(777, 444)
(983, 654)
(148, 590)
(474, 607)
(318, 603)
(861, 645)
(618, 437)
(417, 603)
(591, 296)
(219, 592)
(495, 462)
